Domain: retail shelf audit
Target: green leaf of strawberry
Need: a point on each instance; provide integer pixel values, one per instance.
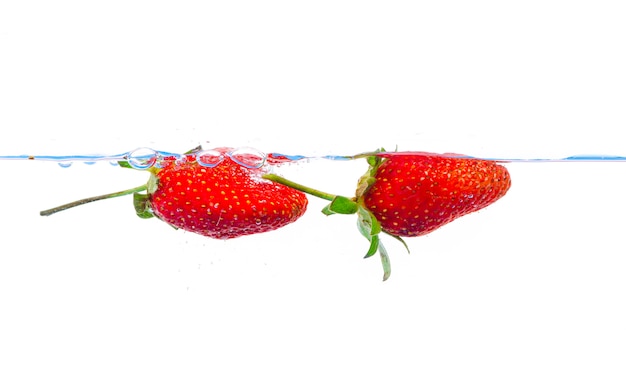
(341, 205)
(125, 164)
(370, 228)
(142, 205)
(367, 219)
(384, 259)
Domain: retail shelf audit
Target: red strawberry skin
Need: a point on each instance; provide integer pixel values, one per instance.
(414, 194)
(223, 202)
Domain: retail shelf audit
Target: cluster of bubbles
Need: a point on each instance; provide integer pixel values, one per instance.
(145, 158)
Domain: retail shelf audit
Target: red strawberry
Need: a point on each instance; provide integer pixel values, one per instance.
(225, 201)
(213, 193)
(413, 193)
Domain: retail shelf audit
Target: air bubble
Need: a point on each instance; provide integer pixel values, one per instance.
(209, 157)
(165, 159)
(142, 158)
(248, 157)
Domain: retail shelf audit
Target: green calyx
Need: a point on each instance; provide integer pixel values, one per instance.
(141, 202)
(341, 205)
(369, 178)
(367, 223)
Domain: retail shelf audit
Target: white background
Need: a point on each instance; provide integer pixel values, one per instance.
(535, 281)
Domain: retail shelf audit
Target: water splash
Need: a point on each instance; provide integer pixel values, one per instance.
(146, 158)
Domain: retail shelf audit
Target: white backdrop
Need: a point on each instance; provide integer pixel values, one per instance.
(535, 281)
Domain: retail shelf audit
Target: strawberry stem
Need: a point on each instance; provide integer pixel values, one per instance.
(299, 187)
(92, 199)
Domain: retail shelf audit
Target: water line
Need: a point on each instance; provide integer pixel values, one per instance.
(144, 158)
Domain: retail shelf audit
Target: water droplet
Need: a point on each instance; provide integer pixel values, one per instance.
(65, 164)
(209, 157)
(248, 157)
(114, 163)
(89, 162)
(142, 158)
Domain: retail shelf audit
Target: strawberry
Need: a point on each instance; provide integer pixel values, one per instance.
(406, 194)
(415, 194)
(226, 201)
(217, 193)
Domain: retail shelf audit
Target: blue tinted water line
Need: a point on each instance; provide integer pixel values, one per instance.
(70, 158)
(146, 158)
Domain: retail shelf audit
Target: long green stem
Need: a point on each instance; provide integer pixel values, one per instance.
(92, 199)
(299, 187)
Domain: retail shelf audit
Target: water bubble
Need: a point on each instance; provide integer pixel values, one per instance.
(166, 158)
(281, 158)
(209, 157)
(65, 164)
(248, 157)
(142, 158)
